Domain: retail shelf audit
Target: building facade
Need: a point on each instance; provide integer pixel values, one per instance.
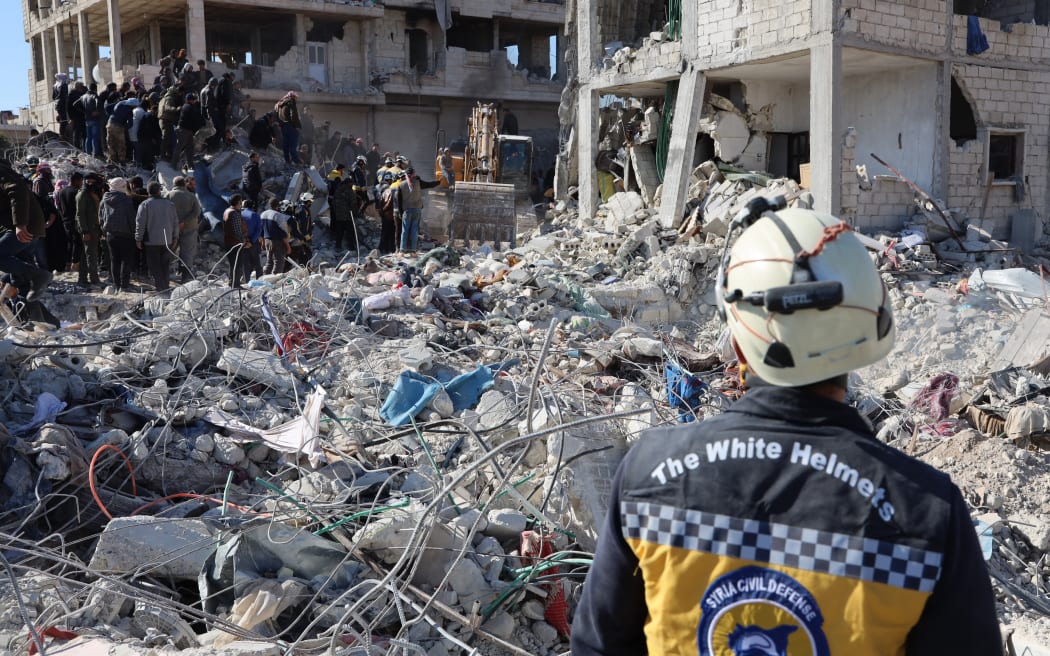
(403, 73)
(832, 82)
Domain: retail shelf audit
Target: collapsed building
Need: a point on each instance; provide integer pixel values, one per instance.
(378, 454)
(401, 73)
(794, 77)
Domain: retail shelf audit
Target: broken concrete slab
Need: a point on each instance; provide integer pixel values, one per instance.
(176, 548)
(256, 366)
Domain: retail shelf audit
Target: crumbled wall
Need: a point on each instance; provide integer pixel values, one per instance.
(876, 103)
(391, 45)
(1024, 41)
(888, 205)
(912, 24)
(1010, 11)
(1010, 99)
(727, 26)
(347, 68)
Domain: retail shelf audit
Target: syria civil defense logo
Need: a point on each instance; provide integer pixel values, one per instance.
(755, 611)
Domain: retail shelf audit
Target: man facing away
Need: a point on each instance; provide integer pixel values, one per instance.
(116, 216)
(157, 233)
(187, 211)
(783, 526)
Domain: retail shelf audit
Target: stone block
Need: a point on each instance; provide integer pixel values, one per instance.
(160, 546)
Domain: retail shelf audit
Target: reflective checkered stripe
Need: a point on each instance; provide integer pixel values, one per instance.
(781, 544)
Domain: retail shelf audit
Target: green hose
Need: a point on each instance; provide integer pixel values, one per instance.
(674, 19)
(663, 139)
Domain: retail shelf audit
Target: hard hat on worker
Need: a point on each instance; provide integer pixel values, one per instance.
(803, 300)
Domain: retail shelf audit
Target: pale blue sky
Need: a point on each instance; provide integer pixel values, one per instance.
(14, 53)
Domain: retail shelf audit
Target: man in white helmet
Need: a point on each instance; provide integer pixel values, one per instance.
(782, 526)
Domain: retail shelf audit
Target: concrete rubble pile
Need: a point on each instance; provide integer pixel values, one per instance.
(377, 455)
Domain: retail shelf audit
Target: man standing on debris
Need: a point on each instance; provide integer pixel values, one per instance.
(342, 201)
(301, 230)
(87, 223)
(288, 115)
(389, 232)
(116, 216)
(168, 113)
(408, 206)
(66, 202)
(21, 223)
(252, 255)
(235, 239)
(156, 231)
(445, 165)
(187, 212)
(251, 178)
(92, 108)
(275, 231)
(374, 160)
(191, 120)
(783, 526)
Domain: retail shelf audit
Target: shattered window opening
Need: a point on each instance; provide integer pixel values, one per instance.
(418, 57)
(472, 34)
(1006, 154)
(38, 60)
(962, 124)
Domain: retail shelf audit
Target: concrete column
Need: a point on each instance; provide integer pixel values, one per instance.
(87, 55)
(687, 107)
(47, 56)
(587, 149)
(116, 45)
(61, 63)
(196, 45)
(942, 162)
(256, 46)
(690, 30)
(300, 30)
(155, 52)
(826, 124)
(586, 106)
(586, 38)
(365, 31)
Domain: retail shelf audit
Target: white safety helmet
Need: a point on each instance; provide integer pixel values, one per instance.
(306, 197)
(803, 299)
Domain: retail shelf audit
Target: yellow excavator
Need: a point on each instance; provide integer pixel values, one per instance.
(496, 170)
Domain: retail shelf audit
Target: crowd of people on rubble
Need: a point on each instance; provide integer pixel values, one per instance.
(127, 227)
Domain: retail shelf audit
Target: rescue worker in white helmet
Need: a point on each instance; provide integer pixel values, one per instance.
(783, 526)
(300, 230)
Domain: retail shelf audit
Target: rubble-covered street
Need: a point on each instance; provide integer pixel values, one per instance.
(410, 455)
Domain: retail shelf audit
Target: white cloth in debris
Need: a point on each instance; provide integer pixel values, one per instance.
(47, 407)
(299, 435)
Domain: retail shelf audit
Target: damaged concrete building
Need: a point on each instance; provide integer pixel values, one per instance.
(398, 72)
(775, 86)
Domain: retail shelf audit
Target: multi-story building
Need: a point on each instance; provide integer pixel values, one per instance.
(403, 73)
(970, 129)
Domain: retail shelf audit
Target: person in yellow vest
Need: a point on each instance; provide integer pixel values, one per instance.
(783, 526)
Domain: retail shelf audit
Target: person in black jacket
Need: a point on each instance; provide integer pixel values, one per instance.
(783, 526)
(251, 178)
(116, 214)
(66, 203)
(191, 120)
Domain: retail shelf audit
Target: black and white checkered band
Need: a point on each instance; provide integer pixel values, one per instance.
(780, 544)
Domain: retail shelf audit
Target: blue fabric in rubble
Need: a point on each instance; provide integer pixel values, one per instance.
(976, 41)
(684, 392)
(412, 392)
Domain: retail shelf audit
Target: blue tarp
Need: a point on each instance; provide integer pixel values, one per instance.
(413, 391)
(684, 392)
(976, 41)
